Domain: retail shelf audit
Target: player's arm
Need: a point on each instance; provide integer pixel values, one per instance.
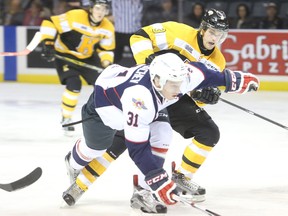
(139, 111)
(107, 46)
(234, 81)
(141, 45)
(210, 95)
(48, 31)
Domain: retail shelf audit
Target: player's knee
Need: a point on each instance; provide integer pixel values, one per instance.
(214, 135)
(73, 84)
(209, 136)
(118, 146)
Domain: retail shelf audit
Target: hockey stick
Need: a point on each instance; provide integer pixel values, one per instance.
(23, 182)
(202, 209)
(93, 67)
(31, 46)
(77, 122)
(252, 113)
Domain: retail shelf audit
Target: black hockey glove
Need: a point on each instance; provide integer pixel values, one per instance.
(209, 95)
(48, 51)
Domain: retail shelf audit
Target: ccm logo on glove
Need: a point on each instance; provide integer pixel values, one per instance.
(157, 178)
(233, 82)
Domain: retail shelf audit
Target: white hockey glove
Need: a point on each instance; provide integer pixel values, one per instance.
(240, 82)
(162, 186)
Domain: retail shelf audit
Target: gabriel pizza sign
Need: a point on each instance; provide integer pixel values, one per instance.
(259, 52)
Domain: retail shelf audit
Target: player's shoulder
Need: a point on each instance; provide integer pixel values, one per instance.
(219, 58)
(107, 23)
(218, 52)
(75, 15)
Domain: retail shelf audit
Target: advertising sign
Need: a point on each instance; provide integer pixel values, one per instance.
(262, 52)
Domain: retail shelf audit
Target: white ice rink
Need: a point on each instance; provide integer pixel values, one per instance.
(245, 175)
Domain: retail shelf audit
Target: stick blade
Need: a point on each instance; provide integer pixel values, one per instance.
(23, 182)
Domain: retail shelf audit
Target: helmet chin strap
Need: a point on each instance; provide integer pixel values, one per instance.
(158, 90)
(200, 41)
(201, 45)
(159, 94)
(92, 22)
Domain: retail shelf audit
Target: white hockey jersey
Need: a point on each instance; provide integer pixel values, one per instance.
(125, 99)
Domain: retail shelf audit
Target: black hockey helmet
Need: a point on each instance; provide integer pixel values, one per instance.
(93, 2)
(215, 19)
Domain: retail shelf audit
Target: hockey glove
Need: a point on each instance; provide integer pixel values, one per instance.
(209, 95)
(48, 51)
(162, 186)
(240, 82)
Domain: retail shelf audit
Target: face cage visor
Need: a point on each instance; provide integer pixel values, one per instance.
(218, 32)
(101, 9)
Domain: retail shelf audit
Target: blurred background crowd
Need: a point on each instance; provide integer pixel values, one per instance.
(249, 14)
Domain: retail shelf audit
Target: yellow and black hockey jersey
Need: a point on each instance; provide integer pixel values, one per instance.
(75, 36)
(173, 36)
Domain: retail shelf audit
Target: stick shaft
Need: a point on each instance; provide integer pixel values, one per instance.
(192, 204)
(77, 122)
(253, 113)
(93, 67)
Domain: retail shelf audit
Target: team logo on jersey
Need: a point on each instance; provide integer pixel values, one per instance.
(139, 104)
(65, 68)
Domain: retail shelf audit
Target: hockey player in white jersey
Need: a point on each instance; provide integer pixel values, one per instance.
(130, 99)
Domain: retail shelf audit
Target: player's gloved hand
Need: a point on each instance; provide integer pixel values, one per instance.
(240, 82)
(48, 51)
(150, 58)
(209, 95)
(162, 186)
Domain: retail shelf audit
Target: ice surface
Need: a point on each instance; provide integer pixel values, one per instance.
(245, 174)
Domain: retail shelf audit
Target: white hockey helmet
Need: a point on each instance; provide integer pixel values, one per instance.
(167, 66)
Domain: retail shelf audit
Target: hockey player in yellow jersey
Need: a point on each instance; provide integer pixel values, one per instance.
(187, 116)
(81, 42)
(179, 38)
